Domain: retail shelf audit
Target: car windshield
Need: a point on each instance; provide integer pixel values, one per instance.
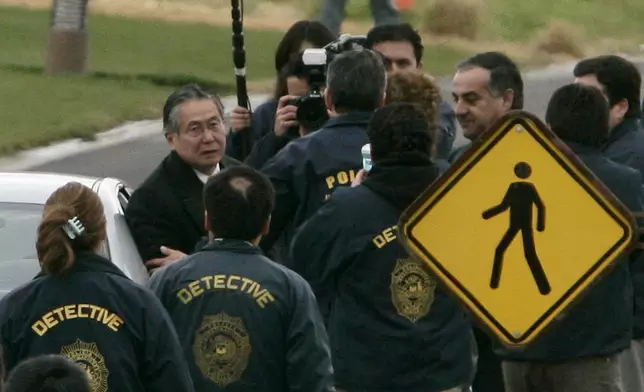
(18, 260)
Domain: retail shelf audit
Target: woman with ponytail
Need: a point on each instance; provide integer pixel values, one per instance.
(83, 307)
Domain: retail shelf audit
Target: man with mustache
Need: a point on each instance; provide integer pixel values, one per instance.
(485, 86)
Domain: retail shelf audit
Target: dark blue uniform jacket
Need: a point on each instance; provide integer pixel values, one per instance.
(391, 327)
(93, 314)
(626, 146)
(310, 168)
(245, 322)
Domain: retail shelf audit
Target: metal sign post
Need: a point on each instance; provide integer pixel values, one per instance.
(67, 48)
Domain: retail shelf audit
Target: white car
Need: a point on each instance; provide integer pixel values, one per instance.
(22, 199)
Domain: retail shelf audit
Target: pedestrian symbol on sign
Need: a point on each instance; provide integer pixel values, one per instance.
(519, 199)
(517, 168)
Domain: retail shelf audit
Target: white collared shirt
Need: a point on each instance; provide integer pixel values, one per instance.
(204, 177)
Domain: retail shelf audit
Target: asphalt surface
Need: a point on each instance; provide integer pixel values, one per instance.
(134, 160)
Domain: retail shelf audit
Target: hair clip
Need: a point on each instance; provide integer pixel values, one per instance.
(73, 228)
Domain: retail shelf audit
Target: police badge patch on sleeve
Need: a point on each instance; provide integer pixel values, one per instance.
(88, 356)
(412, 289)
(222, 348)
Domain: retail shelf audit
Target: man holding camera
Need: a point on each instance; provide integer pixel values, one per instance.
(309, 168)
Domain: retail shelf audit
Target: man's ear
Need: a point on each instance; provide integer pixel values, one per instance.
(620, 109)
(508, 99)
(169, 137)
(328, 101)
(267, 226)
(207, 225)
(383, 101)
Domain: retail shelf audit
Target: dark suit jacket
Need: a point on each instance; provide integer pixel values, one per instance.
(625, 144)
(167, 209)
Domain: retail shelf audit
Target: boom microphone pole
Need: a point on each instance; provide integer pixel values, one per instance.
(239, 59)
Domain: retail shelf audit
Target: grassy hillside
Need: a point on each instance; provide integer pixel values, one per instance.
(530, 30)
(573, 27)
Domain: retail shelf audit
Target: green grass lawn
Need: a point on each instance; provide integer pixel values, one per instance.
(133, 66)
(37, 110)
(520, 20)
(131, 47)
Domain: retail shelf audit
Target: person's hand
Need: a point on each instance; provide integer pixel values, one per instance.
(239, 119)
(362, 174)
(171, 256)
(285, 116)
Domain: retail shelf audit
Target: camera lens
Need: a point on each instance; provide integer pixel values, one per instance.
(311, 113)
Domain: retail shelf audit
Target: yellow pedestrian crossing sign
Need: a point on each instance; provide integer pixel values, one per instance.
(518, 228)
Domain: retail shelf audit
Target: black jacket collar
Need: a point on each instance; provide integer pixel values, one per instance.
(236, 246)
(627, 126)
(582, 149)
(89, 262)
(188, 187)
(349, 119)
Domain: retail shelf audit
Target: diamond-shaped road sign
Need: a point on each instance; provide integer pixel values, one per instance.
(518, 228)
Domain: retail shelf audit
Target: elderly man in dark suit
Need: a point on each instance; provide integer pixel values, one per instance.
(166, 213)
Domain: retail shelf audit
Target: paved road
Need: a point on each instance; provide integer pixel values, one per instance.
(134, 160)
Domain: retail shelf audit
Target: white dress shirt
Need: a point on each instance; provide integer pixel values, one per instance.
(204, 177)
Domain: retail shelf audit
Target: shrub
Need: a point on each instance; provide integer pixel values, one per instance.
(560, 37)
(459, 18)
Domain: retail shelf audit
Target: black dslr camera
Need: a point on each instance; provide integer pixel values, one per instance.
(311, 110)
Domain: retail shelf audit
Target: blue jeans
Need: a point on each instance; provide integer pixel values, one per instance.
(383, 11)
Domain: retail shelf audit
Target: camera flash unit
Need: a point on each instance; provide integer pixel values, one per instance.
(314, 57)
